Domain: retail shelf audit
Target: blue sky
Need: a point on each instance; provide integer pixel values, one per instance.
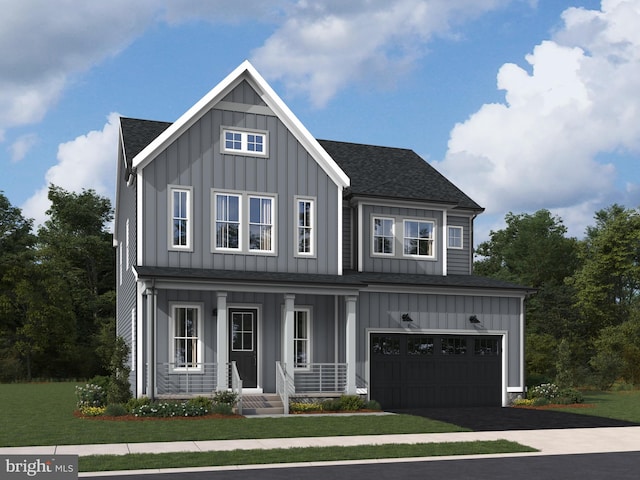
(524, 104)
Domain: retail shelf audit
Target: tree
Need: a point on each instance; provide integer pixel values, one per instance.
(75, 246)
(608, 284)
(533, 250)
(16, 258)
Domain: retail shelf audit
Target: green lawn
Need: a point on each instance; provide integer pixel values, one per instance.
(42, 414)
(293, 455)
(623, 405)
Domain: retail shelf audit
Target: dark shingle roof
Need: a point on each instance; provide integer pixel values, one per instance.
(137, 134)
(350, 279)
(374, 171)
(394, 173)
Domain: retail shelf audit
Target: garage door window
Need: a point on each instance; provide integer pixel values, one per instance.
(420, 346)
(454, 346)
(382, 345)
(486, 346)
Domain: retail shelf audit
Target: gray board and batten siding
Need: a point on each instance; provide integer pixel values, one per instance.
(195, 160)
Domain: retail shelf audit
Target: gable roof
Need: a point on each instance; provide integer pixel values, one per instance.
(374, 171)
(245, 72)
(388, 172)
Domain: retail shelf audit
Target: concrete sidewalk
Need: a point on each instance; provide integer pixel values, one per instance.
(548, 442)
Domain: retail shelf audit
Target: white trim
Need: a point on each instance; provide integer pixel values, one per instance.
(359, 241)
(199, 307)
(139, 210)
(372, 220)
(244, 142)
(127, 241)
(475, 333)
(448, 235)
(134, 342)
(434, 236)
(340, 232)
(445, 256)
(314, 226)
(188, 190)
(258, 308)
(140, 387)
(244, 71)
(309, 311)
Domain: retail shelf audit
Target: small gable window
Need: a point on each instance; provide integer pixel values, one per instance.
(244, 142)
(305, 219)
(180, 224)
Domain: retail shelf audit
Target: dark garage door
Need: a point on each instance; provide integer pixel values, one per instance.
(416, 370)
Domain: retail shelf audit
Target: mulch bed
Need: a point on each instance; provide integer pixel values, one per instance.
(133, 418)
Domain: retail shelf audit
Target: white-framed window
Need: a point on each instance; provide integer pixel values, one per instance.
(454, 237)
(244, 222)
(180, 224)
(247, 142)
(302, 338)
(185, 335)
(227, 224)
(418, 238)
(261, 224)
(305, 226)
(383, 236)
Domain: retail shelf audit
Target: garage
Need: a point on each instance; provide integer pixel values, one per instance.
(428, 370)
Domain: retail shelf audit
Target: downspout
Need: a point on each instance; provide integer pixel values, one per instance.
(151, 343)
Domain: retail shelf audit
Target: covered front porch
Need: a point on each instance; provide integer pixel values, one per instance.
(207, 336)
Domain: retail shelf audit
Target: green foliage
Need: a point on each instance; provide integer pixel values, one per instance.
(304, 407)
(548, 393)
(90, 395)
(135, 403)
(372, 405)
(331, 405)
(350, 403)
(618, 354)
(200, 403)
(225, 396)
(172, 409)
(119, 389)
(222, 409)
(115, 410)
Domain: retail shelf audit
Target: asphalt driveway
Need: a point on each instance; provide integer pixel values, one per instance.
(486, 419)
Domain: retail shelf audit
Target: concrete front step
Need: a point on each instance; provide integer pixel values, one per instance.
(262, 405)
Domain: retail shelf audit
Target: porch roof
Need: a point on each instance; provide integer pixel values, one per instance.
(350, 280)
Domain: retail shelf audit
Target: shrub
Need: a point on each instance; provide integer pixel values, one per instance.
(203, 404)
(119, 388)
(134, 403)
(223, 409)
(225, 396)
(171, 409)
(351, 403)
(569, 396)
(548, 391)
(90, 395)
(331, 405)
(92, 411)
(372, 405)
(303, 407)
(115, 410)
(100, 380)
(523, 402)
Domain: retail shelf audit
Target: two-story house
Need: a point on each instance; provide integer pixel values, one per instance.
(250, 251)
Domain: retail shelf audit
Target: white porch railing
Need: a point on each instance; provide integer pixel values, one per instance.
(174, 379)
(321, 378)
(236, 385)
(284, 385)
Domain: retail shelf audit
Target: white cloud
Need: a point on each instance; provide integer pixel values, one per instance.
(566, 121)
(43, 44)
(83, 163)
(324, 46)
(22, 145)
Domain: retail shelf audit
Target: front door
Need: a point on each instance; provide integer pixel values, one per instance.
(243, 347)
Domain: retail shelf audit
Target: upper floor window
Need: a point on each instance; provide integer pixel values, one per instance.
(305, 226)
(244, 223)
(261, 223)
(180, 221)
(245, 142)
(418, 238)
(454, 237)
(383, 236)
(186, 337)
(227, 230)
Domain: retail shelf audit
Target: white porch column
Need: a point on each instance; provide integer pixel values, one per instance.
(287, 333)
(151, 342)
(351, 343)
(222, 342)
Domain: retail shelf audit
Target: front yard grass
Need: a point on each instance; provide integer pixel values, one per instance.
(42, 414)
(622, 405)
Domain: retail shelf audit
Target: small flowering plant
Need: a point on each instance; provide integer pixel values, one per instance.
(90, 395)
(548, 391)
